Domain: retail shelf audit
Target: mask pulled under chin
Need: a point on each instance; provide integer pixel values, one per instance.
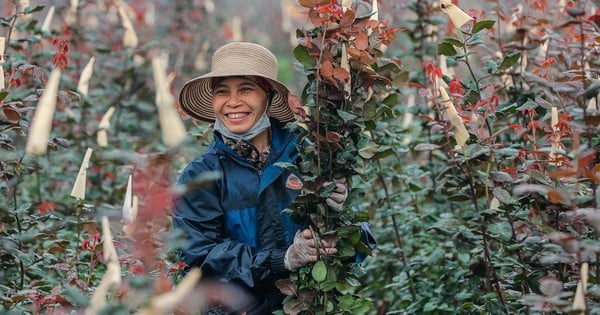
(261, 125)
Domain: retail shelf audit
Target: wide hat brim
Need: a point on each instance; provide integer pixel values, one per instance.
(236, 59)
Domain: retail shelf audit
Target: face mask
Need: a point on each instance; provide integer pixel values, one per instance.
(261, 125)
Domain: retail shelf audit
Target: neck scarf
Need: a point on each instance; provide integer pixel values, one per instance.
(261, 125)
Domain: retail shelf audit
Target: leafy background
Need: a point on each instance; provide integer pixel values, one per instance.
(503, 223)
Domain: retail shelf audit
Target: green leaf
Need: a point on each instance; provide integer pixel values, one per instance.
(505, 110)
(383, 152)
(472, 97)
(75, 296)
(446, 49)
(490, 67)
(509, 61)
(592, 91)
(454, 42)
(370, 110)
(509, 153)
(346, 302)
(302, 55)
(319, 271)
(530, 104)
(31, 9)
(353, 282)
(3, 95)
(24, 207)
(367, 149)
(346, 116)
(483, 25)
(401, 78)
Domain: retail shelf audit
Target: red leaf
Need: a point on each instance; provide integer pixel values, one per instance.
(327, 69)
(313, 3)
(287, 286)
(347, 19)
(595, 18)
(334, 136)
(341, 74)
(555, 196)
(361, 42)
(11, 112)
(353, 52)
(46, 207)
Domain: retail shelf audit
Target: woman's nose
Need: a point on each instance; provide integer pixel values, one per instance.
(233, 99)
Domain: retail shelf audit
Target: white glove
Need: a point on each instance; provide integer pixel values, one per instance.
(304, 250)
(338, 196)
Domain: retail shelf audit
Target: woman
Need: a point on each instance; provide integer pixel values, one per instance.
(236, 229)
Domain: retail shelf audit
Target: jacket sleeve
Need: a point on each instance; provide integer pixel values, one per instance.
(366, 238)
(199, 215)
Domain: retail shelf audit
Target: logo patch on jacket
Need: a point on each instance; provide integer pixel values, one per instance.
(293, 182)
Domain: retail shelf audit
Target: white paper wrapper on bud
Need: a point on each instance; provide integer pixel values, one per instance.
(48, 20)
(72, 13)
(456, 15)
(78, 190)
(408, 117)
(2, 46)
(129, 228)
(554, 118)
(374, 11)
(543, 49)
(102, 134)
(444, 67)
(506, 79)
(24, 4)
(173, 131)
(167, 302)
(150, 15)
(461, 135)
(112, 276)
(579, 301)
(209, 5)
(591, 106)
(84, 80)
(41, 124)
(495, 203)
(346, 4)
(555, 138)
(130, 38)
(108, 247)
(128, 201)
(236, 27)
(345, 64)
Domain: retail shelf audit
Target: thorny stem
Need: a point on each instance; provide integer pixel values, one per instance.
(12, 25)
(17, 221)
(317, 102)
(486, 249)
(487, 121)
(590, 128)
(399, 241)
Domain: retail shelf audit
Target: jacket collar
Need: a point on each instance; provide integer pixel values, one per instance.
(283, 143)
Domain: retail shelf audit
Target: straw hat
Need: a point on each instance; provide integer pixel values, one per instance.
(235, 59)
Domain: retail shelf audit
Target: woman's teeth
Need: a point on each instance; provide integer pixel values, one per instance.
(237, 116)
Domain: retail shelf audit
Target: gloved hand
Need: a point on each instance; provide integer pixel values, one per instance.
(305, 249)
(338, 196)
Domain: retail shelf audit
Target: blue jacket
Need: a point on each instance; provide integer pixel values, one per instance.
(236, 228)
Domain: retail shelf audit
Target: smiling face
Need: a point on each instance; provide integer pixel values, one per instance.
(238, 103)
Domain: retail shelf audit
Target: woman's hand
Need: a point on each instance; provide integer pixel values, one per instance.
(338, 196)
(305, 249)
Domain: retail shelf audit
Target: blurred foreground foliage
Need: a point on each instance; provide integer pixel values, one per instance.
(502, 221)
